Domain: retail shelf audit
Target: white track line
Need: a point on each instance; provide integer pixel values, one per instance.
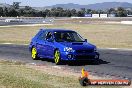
(58, 67)
(12, 44)
(6, 43)
(25, 25)
(117, 49)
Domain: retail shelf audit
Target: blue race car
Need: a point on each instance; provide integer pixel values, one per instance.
(62, 45)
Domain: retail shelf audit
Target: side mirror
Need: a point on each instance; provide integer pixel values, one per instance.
(50, 40)
(86, 40)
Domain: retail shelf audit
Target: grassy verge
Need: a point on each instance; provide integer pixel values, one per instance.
(102, 35)
(18, 75)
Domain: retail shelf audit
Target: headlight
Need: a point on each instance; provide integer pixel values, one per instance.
(95, 49)
(68, 49)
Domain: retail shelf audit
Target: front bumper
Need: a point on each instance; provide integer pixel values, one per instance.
(71, 56)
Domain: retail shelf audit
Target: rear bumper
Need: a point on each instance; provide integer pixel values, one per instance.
(80, 56)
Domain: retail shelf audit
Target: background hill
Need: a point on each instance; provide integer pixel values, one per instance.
(96, 6)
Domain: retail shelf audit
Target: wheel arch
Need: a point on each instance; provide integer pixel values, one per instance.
(56, 49)
(32, 47)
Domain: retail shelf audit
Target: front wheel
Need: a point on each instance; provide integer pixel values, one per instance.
(57, 58)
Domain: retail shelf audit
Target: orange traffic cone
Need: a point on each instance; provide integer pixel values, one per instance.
(84, 81)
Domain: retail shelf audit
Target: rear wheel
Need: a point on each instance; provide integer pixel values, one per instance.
(34, 53)
(57, 59)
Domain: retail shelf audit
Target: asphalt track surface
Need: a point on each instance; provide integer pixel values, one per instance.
(51, 20)
(113, 63)
(17, 23)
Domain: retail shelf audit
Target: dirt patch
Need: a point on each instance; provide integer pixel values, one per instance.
(62, 71)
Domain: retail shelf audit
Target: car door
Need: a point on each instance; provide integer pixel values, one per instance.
(49, 45)
(40, 44)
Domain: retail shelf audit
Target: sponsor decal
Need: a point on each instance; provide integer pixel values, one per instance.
(85, 80)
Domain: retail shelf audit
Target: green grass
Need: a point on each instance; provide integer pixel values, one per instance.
(18, 75)
(102, 35)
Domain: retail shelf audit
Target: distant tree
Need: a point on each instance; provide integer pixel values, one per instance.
(16, 5)
(121, 12)
(12, 12)
(80, 14)
(59, 9)
(28, 8)
(59, 12)
(29, 12)
(94, 12)
(83, 10)
(5, 12)
(68, 13)
(38, 13)
(111, 11)
(1, 11)
(56, 12)
(53, 9)
(89, 11)
(47, 11)
(73, 12)
(21, 12)
(44, 14)
(100, 12)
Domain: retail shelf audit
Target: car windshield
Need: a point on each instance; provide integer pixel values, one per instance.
(67, 37)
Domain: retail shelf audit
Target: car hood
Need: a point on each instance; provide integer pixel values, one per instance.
(79, 45)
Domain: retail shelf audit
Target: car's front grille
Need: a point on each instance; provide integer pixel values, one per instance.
(84, 51)
(83, 57)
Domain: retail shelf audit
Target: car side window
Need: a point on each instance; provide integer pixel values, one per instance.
(42, 35)
(49, 35)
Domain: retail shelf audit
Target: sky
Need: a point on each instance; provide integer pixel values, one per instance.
(42, 3)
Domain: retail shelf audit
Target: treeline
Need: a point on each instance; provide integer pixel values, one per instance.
(16, 10)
